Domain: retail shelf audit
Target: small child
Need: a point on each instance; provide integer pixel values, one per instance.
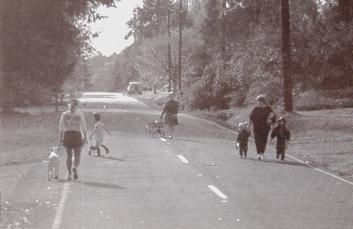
(282, 134)
(242, 139)
(98, 134)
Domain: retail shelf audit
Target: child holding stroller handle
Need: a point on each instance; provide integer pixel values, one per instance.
(98, 134)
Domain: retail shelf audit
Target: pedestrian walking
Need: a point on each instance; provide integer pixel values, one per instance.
(73, 131)
(243, 139)
(98, 135)
(170, 111)
(282, 133)
(261, 119)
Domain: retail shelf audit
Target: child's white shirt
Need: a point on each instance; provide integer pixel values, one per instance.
(99, 130)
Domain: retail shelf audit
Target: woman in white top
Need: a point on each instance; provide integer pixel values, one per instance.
(73, 130)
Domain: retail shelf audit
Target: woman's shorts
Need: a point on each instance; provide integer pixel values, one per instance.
(72, 139)
(171, 119)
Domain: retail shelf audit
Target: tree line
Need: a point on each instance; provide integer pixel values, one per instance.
(232, 50)
(41, 43)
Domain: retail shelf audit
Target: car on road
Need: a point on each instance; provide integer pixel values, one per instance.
(134, 87)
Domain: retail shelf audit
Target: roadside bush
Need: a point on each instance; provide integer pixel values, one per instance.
(271, 88)
(314, 100)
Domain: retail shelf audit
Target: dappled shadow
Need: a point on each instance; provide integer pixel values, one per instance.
(187, 140)
(99, 185)
(293, 163)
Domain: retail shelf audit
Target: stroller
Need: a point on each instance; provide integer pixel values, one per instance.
(156, 128)
(93, 148)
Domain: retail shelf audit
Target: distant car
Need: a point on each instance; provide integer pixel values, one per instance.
(134, 87)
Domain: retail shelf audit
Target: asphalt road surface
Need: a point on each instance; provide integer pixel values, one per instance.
(195, 180)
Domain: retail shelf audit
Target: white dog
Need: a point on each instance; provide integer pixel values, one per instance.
(53, 165)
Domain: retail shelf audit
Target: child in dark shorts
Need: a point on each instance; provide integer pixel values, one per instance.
(243, 139)
(282, 133)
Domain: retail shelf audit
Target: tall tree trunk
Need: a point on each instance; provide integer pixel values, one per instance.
(345, 8)
(169, 51)
(223, 39)
(181, 14)
(286, 57)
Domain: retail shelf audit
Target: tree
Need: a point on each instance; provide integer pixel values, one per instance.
(210, 28)
(345, 8)
(181, 18)
(41, 42)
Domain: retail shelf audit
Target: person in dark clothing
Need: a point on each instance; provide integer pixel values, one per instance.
(170, 112)
(261, 118)
(243, 139)
(282, 133)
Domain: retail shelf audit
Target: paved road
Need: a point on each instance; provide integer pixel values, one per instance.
(192, 181)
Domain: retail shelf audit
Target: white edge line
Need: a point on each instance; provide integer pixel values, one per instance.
(60, 211)
(217, 192)
(300, 161)
(322, 171)
(183, 159)
(163, 139)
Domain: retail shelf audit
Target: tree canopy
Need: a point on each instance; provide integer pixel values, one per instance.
(41, 42)
(232, 49)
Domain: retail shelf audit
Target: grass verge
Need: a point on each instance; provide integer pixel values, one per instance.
(27, 138)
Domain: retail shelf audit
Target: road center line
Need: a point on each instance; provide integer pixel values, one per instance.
(60, 210)
(217, 192)
(183, 159)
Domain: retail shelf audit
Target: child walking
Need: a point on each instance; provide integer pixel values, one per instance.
(282, 133)
(98, 134)
(243, 139)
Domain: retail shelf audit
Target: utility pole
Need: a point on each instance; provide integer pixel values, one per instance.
(169, 50)
(181, 17)
(223, 44)
(286, 57)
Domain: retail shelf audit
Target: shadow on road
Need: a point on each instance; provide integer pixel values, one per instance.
(188, 140)
(113, 158)
(293, 163)
(109, 158)
(100, 185)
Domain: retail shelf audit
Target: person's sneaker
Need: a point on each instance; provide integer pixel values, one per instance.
(74, 170)
(69, 177)
(241, 156)
(258, 157)
(170, 137)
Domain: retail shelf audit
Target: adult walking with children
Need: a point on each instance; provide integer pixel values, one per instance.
(73, 131)
(261, 119)
(170, 111)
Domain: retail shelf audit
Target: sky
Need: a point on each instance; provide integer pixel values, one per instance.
(113, 29)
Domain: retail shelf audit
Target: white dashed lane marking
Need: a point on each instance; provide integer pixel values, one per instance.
(183, 159)
(217, 192)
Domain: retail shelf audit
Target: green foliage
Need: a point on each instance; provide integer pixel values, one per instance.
(41, 42)
(321, 50)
